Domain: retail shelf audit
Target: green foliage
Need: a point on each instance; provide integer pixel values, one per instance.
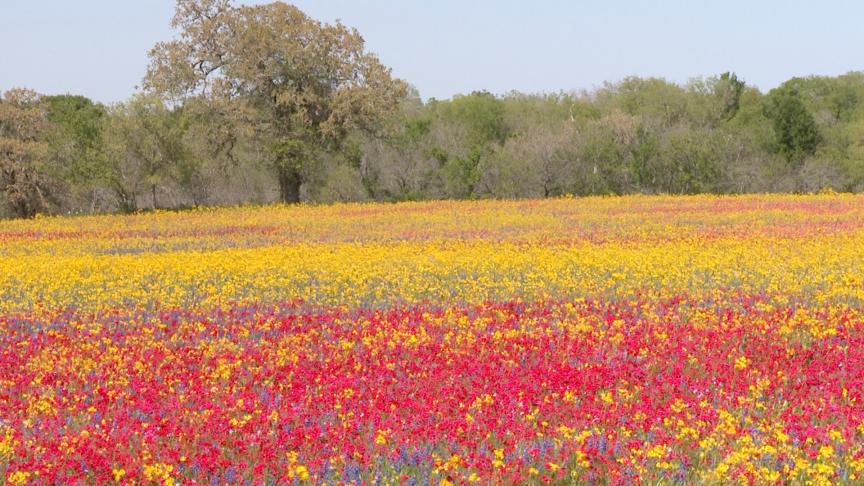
(690, 163)
(76, 140)
(260, 103)
(480, 114)
(300, 85)
(656, 100)
(479, 119)
(26, 185)
(796, 133)
(729, 90)
(78, 117)
(146, 153)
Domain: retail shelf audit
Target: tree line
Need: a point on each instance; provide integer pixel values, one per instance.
(256, 104)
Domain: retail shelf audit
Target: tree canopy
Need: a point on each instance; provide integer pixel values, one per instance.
(261, 103)
(300, 84)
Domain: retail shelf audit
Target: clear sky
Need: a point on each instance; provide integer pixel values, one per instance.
(98, 48)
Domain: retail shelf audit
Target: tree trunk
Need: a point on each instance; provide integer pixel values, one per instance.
(289, 184)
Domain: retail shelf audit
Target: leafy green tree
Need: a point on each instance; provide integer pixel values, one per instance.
(301, 85)
(536, 163)
(605, 153)
(729, 90)
(644, 153)
(656, 100)
(524, 112)
(795, 130)
(690, 162)
(75, 137)
(24, 179)
(145, 151)
(714, 100)
(844, 100)
(832, 100)
(848, 157)
(402, 164)
(479, 126)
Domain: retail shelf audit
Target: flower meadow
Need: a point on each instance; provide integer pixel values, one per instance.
(619, 340)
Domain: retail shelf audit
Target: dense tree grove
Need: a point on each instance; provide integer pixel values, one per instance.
(257, 104)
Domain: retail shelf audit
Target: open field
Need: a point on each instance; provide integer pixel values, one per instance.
(620, 340)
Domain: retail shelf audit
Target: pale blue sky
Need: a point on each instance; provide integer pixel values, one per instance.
(98, 48)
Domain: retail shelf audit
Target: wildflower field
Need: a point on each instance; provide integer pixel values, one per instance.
(601, 340)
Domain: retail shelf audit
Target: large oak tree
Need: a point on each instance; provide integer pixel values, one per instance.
(296, 84)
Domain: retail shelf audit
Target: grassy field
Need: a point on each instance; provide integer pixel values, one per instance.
(618, 340)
